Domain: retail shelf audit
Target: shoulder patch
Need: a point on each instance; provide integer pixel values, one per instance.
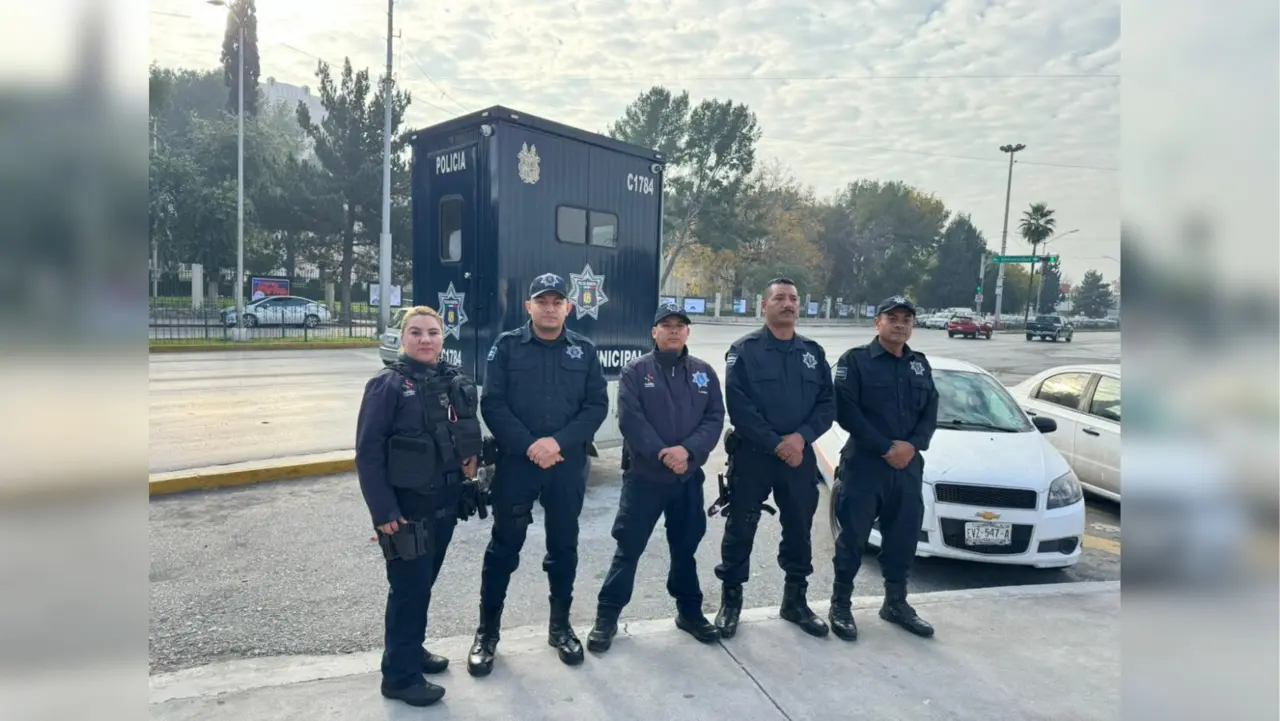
(841, 372)
(493, 351)
(730, 358)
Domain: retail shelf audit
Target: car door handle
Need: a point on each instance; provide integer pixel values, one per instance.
(1091, 431)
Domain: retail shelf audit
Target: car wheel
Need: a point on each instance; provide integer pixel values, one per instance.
(951, 335)
(1028, 336)
(250, 320)
(312, 321)
(988, 335)
(1070, 337)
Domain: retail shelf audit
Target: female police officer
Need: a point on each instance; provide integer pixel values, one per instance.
(416, 438)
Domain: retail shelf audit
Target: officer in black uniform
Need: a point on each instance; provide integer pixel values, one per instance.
(671, 414)
(417, 438)
(544, 398)
(779, 395)
(886, 400)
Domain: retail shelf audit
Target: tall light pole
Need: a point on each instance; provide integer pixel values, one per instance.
(1031, 281)
(239, 170)
(1004, 234)
(384, 239)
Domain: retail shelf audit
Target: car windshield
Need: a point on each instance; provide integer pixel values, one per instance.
(976, 401)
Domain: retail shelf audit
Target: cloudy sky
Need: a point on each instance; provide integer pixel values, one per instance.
(923, 91)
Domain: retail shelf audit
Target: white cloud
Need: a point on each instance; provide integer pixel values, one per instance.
(845, 84)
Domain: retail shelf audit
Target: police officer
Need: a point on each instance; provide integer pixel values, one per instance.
(780, 400)
(544, 399)
(886, 400)
(671, 414)
(417, 436)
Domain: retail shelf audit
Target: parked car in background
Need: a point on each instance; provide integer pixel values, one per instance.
(968, 326)
(995, 489)
(389, 343)
(1084, 400)
(281, 310)
(1050, 327)
(937, 321)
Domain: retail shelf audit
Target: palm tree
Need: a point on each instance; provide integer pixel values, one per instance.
(1037, 226)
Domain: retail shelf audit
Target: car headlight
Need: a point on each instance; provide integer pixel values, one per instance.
(1064, 491)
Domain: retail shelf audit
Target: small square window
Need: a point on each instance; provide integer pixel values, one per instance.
(604, 229)
(450, 229)
(571, 225)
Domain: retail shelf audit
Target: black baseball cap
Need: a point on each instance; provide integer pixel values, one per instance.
(548, 283)
(667, 310)
(897, 301)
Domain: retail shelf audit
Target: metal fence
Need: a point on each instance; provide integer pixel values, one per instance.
(182, 321)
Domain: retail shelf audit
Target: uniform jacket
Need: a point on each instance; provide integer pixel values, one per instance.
(882, 398)
(774, 388)
(669, 399)
(535, 388)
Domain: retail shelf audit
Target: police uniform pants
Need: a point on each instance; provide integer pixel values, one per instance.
(518, 484)
(410, 594)
(640, 505)
(870, 489)
(795, 491)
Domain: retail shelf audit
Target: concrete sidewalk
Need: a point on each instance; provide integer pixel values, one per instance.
(1019, 653)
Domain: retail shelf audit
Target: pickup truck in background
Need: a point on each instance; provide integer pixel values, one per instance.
(1050, 327)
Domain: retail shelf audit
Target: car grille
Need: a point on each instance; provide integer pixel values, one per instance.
(953, 536)
(985, 496)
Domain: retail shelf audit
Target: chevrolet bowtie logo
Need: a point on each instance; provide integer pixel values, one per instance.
(987, 515)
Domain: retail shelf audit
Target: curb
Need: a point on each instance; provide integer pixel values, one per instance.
(250, 473)
(224, 347)
(255, 673)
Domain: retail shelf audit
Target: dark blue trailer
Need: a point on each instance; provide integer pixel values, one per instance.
(500, 197)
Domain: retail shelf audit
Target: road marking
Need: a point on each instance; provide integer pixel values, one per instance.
(1105, 527)
(1106, 545)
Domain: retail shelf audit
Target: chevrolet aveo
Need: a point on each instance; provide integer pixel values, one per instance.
(995, 489)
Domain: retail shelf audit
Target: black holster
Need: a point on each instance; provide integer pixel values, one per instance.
(733, 446)
(412, 540)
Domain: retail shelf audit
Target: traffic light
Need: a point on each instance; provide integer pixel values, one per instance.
(1051, 258)
(979, 287)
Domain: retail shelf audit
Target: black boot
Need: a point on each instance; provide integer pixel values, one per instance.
(897, 610)
(560, 633)
(796, 610)
(480, 659)
(419, 694)
(841, 613)
(694, 623)
(432, 663)
(730, 608)
(602, 633)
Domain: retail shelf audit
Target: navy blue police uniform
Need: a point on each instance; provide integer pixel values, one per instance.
(665, 399)
(881, 398)
(417, 425)
(773, 388)
(536, 389)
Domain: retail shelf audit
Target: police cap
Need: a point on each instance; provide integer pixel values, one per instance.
(668, 310)
(548, 283)
(895, 302)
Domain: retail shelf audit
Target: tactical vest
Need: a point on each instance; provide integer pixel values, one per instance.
(450, 403)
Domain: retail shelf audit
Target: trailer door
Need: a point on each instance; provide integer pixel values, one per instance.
(452, 287)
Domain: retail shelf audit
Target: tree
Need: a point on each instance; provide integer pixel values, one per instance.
(1015, 288)
(953, 280)
(710, 152)
(1036, 226)
(1050, 287)
(778, 225)
(348, 145)
(237, 10)
(1093, 296)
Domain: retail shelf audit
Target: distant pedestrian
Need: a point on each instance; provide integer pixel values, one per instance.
(544, 398)
(671, 414)
(886, 400)
(780, 400)
(417, 439)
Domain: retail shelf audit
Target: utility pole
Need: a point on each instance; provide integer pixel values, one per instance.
(240, 187)
(384, 239)
(982, 273)
(1004, 234)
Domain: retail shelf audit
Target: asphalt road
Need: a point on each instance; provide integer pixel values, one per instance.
(290, 568)
(226, 407)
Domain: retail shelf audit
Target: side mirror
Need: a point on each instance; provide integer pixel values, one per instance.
(1044, 424)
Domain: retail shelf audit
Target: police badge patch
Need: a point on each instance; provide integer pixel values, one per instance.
(587, 293)
(700, 379)
(809, 361)
(917, 367)
(528, 168)
(452, 313)
(574, 351)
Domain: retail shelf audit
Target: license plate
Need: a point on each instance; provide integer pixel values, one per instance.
(988, 534)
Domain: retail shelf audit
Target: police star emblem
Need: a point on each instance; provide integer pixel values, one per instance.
(700, 379)
(587, 293)
(528, 168)
(917, 367)
(574, 351)
(809, 361)
(452, 313)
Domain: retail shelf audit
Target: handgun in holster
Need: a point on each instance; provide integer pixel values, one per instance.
(732, 445)
(410, 541)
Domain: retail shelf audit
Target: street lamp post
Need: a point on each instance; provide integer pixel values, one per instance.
(1004, 234)
(239, 170)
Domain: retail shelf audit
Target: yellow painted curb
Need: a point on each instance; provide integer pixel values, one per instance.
(222, 347)
(1106, 545)
(203, 480)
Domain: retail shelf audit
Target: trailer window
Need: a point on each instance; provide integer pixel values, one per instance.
(451, 229)
(604, 229)
(571, 225)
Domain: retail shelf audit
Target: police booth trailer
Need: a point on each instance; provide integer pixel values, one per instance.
(500, 197)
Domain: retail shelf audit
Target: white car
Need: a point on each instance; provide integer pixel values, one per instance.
(1084, 400)
(389, 342)
(281, 310)
(995, 490)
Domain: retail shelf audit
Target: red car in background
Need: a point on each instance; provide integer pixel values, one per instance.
(968, 327)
